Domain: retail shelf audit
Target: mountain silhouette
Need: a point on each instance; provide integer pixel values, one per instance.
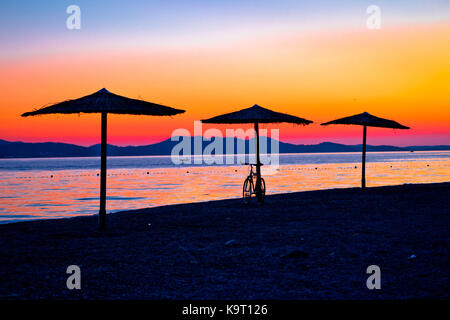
(55, 149)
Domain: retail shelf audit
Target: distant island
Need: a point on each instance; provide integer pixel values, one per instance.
(10, 149)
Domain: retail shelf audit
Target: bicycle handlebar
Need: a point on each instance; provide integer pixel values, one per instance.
(252, 164)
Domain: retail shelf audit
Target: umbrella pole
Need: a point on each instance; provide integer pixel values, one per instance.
(102, 212)
(258, 167)
(363, 179)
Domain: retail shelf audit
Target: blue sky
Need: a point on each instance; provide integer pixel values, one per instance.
(33, 24)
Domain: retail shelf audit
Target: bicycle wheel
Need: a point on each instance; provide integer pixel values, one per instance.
(247, 190)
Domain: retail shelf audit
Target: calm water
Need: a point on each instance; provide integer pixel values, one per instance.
(64, 187)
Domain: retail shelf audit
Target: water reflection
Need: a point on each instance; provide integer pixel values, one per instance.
(37, 194)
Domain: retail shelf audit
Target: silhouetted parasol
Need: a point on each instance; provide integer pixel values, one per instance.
(256, 115)
(366, 120)
(105, 102)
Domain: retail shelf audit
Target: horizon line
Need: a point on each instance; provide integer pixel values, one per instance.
(246, 139)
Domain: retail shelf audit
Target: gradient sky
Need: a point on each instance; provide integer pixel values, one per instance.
(313, 59)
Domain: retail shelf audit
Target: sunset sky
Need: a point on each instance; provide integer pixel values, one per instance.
(318, 61)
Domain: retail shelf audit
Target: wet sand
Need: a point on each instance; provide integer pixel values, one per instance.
(305, 245)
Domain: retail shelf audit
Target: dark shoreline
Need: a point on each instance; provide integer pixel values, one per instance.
(304, 245)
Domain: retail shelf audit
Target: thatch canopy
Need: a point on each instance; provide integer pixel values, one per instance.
(366, 119)
(105, 101)
(256, 114)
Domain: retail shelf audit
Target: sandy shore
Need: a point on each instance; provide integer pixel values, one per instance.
(305, 245)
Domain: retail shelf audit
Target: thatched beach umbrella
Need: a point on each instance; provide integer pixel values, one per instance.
(256, 115)
(366, 120)
(105, 102)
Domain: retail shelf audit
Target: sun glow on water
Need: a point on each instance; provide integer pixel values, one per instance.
(134, 183)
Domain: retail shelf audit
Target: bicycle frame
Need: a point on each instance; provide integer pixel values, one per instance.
(252, 185)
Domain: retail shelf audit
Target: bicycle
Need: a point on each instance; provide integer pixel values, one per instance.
(249, 187)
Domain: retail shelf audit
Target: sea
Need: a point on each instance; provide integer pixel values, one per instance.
(49, 188)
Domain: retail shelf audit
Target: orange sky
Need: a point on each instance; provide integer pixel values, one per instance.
(401, 73)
